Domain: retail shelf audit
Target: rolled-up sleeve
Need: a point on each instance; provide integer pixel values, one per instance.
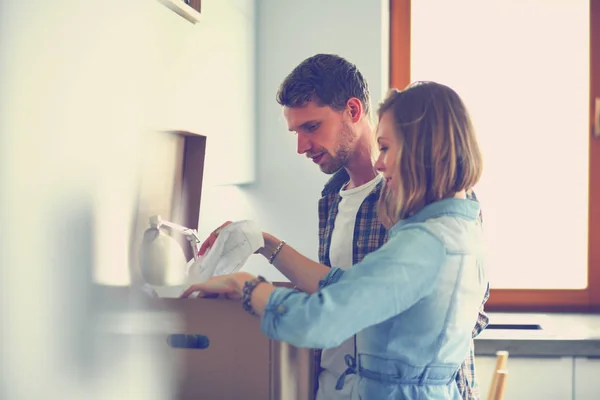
(385, 283)
(332, 277)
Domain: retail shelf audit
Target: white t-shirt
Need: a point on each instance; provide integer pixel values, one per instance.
(340, 256)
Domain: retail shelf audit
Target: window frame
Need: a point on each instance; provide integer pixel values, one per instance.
(534, 300)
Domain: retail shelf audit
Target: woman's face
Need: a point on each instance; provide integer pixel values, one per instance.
(388, 153)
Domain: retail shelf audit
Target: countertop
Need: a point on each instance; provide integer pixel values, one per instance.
(561, 335)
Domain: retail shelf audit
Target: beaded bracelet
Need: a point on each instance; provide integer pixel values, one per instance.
(277, 250)
(249, 286)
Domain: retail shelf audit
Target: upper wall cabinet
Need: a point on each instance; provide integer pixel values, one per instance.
(188, 9)
(207, 85)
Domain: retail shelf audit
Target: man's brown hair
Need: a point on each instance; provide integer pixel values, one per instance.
(327, 79)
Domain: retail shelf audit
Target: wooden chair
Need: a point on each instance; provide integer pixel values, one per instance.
(498, 384)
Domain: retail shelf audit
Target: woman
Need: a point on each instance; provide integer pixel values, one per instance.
(412, 303)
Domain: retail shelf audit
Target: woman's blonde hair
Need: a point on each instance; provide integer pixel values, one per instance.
(438, 154)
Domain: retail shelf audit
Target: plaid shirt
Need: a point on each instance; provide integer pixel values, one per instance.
(369, 235)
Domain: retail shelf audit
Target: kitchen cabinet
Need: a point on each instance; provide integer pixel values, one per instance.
(586, 378)
(190, 10)
(206, 85)
(548, 378)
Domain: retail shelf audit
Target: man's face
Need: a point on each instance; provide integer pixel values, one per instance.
(324, 135)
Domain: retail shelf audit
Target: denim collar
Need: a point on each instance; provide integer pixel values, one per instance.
(462, 208)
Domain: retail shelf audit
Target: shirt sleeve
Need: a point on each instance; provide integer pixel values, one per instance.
(482, 319)
(332, 277)
(385, 283)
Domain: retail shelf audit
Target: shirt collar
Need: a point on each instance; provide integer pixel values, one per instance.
(462, 208)
(339, 179)
(335, 183)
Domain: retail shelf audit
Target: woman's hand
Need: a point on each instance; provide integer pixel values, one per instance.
(212, 238)
(229, 285)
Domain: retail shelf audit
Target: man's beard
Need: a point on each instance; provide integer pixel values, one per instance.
(342, 153)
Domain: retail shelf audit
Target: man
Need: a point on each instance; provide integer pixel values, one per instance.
(326, 102)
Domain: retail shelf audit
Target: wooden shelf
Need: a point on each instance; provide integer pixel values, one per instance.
(191, 12)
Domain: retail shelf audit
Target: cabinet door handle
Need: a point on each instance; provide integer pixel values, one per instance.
(183, 341)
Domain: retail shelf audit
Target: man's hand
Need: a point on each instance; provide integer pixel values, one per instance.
(212, 238)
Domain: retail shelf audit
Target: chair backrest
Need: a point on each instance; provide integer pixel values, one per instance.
(500, 378)
(498, 384)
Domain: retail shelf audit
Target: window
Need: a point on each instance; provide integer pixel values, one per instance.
(529, 88)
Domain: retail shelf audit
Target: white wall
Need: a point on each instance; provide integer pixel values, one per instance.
(284, 197)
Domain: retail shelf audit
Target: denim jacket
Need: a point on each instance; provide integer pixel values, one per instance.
(369, 235)
(413, 303)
